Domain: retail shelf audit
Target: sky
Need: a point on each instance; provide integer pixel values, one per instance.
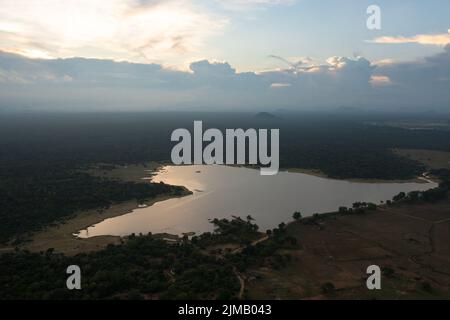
(223, 55)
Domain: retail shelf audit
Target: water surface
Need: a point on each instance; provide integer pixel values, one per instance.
(222, 191)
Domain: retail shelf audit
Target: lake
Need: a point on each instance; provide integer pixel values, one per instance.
(223, 191)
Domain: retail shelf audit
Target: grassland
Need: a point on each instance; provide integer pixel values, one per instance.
(411, 243)
(431, 158)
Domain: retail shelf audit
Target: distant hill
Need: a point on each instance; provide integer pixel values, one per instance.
(266, 116)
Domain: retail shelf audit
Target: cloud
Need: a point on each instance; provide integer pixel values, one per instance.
(252, 4)
(163, 31)
(204, 67)
(300, 64)
(425, 39)
(80, 84)
(132, 30)
(280, 85)
(377, 80)
(423, 82)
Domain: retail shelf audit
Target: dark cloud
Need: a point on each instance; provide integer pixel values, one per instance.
(204, 67)
(89, 83)
(425, 82)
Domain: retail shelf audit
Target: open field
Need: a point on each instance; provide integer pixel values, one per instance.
(431, 158)
(410, 242)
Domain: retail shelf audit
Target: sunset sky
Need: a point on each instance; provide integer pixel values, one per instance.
(296, 54)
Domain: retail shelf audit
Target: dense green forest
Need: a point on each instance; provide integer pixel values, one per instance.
(42, 156)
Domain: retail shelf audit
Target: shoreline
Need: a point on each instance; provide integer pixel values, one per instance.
(320, 174)
(113, 213)
(317, 173)
(62, 237)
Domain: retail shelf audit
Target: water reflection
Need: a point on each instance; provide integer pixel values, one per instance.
(221, 191)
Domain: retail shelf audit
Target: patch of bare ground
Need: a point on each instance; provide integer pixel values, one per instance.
(411, 243)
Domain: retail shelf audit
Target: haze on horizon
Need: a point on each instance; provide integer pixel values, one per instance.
(223, 55)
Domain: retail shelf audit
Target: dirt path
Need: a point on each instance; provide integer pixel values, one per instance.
(254, 243)
(241, 281)
(238, 275)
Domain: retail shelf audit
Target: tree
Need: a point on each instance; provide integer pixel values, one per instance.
(297, 215)
(399, 197)
(357, 205)
(343, 210)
